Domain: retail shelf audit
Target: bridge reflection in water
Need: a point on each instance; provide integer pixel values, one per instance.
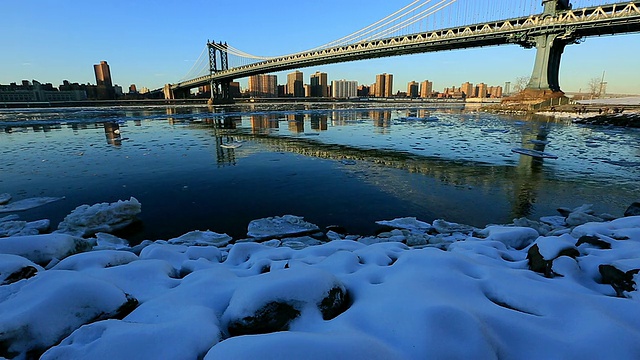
(523, 182)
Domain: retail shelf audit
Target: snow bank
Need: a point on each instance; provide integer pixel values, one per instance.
(561, 287)
(41, 249)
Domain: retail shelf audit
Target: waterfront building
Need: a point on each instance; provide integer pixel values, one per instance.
(37, 92)
(384, 85)
(495, 91)
(105, 88)
(295, 84)
(426, 89)
(344, 89)
(319, 85)
(481, 90)
(263, 86)
(507, 88)
(467, 89)
(413, 89)
(363, 90)
(307, 90)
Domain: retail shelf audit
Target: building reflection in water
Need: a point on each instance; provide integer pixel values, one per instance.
(381, 120)
(339, 118)
(112, 133)
(260, 124)
(296, 123)
(319, 122)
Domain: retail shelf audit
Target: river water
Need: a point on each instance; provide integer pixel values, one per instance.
(199, 168)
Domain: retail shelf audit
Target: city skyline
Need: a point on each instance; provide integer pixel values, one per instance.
(153, 58)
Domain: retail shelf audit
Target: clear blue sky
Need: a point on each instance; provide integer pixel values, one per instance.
(150, 43)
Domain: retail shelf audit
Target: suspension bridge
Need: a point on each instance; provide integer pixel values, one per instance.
(429, 26)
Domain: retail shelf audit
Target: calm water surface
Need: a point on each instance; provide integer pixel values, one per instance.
(334, 164)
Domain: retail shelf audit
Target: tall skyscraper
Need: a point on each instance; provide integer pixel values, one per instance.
(384, 85)
(426, 88)
(263, 85)
(295, 84)
(319, 85)
(103, 81)
(344, 89)
(413, 89)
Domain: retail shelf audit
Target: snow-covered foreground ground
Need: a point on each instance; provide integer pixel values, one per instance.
(560, 288)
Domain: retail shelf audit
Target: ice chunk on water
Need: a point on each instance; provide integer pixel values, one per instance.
(408, 223)
(5, 198)
(279, 226)
(27, 204)
(87, 220)
(202, 238)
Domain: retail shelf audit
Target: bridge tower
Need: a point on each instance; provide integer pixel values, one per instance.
(218, 56)
(549, 48)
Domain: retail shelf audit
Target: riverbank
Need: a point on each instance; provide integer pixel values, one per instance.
(528, 290)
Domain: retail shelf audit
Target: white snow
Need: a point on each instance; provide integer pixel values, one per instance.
(465, 294)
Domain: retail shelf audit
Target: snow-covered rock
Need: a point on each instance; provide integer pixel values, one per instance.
(14, 268)
(269, 302)
(87, 220)
(95, 259)
(515, 237)
(41, 249)
(46, 308)
(279, 226)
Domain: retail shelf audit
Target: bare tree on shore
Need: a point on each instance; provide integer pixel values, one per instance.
(520, 83)
(594, 87)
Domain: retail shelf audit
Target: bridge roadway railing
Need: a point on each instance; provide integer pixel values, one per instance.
(576, 23)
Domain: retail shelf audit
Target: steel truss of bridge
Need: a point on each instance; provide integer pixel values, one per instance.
(569, 25)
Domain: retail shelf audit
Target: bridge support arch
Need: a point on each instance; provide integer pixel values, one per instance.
(218, 61)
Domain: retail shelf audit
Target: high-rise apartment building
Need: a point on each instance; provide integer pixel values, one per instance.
(384, 85)
(413, 89)
(468, 89)
(263, 85)
(426, 89)
(344, 89)
(319, 85)
(481, 90)
(105, 90)
(295, 84)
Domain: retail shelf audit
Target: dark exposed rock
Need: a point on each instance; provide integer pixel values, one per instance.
(620, 281)
(336, 302)
(24, 273)
(274, 316)
(539, 264)
(564, 211)
(593, 240)
(633, 209)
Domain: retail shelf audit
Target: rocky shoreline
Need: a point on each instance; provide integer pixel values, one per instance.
(289, 283)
